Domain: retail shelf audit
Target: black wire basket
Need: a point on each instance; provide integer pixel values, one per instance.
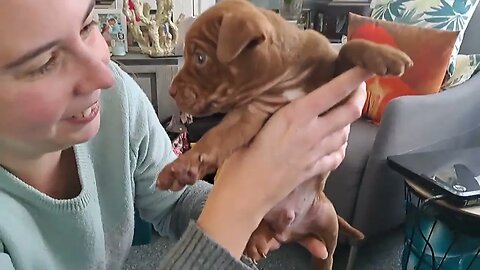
(437, 237)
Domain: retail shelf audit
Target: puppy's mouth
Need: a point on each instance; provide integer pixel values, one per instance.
(197, 110)
(196, 105)
(195, 100)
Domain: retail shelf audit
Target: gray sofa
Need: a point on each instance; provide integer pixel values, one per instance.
(364, 189)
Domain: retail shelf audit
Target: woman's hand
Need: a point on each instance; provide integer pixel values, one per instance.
(294, 145)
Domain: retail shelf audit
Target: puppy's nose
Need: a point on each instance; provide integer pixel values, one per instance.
(173, 90)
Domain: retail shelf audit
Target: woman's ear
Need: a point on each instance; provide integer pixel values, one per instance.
(240, 31)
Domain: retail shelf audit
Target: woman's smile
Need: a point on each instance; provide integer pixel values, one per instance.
(86, 115)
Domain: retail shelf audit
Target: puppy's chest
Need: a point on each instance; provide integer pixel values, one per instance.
(271, 102)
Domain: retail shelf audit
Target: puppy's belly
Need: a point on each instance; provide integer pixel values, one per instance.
(293, 94)
(294, 211)
(314, 219)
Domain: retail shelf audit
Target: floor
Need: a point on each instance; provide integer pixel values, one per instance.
(380, 254)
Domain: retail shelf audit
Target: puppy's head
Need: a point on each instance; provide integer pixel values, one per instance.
(226, 58)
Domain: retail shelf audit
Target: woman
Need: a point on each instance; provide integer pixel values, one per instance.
(80, 144)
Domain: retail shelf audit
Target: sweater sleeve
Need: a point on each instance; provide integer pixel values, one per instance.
(171, 213)
(195, 250)
(5, 261)
(150, 151)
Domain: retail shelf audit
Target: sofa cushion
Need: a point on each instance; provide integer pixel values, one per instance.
(453, 15)
(468, 61)
(343, 184)
(430, 53)
(466, 67)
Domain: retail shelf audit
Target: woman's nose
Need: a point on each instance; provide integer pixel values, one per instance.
(96, 76)
(94, 70)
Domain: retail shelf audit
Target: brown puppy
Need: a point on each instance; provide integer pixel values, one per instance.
(248, 62)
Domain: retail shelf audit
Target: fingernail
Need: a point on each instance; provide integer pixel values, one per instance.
(363, 85)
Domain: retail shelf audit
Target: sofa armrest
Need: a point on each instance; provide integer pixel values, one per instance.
(409, 123)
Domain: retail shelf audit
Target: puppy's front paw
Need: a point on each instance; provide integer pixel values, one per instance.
(167, 179)
(384, 60)
(185, 170)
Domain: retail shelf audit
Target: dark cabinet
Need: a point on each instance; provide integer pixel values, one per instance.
(331, 17)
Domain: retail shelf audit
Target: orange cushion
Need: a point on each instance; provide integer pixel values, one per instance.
(429, 48)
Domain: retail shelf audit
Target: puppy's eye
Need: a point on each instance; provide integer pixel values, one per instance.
(200, 58)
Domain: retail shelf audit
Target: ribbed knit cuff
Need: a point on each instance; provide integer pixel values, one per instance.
(195, 250)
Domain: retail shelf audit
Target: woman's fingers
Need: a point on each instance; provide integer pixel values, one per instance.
(342, 115)
(332, 142)
(335, 128)
(328, 95)
(328, 162)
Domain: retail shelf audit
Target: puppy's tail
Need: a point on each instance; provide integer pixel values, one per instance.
(349, 229)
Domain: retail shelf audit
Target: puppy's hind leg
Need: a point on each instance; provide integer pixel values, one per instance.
(328, 231)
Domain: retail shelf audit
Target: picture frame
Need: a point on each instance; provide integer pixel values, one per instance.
(112, 24)
(108, 4)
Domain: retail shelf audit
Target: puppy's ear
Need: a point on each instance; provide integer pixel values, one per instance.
(238, 32)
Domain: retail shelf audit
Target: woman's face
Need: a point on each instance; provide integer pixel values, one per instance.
(53, 63)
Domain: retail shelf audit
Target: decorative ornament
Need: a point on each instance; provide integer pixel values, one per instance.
(155, 34)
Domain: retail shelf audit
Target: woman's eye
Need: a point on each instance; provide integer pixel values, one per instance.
(201, 58)
(45, 68)
(88, 28)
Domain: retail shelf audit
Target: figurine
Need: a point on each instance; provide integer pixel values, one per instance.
(162, 32)
(117, 41)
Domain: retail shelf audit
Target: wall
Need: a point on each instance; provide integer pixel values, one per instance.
(183, 6)
(270, 4)
(201, 5)
(187, 7)
(180, 6)
(195, 7)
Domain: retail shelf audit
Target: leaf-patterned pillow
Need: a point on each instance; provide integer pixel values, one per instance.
(466, 67)
(453, 15)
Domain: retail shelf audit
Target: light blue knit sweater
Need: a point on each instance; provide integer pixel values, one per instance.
(117, 169)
